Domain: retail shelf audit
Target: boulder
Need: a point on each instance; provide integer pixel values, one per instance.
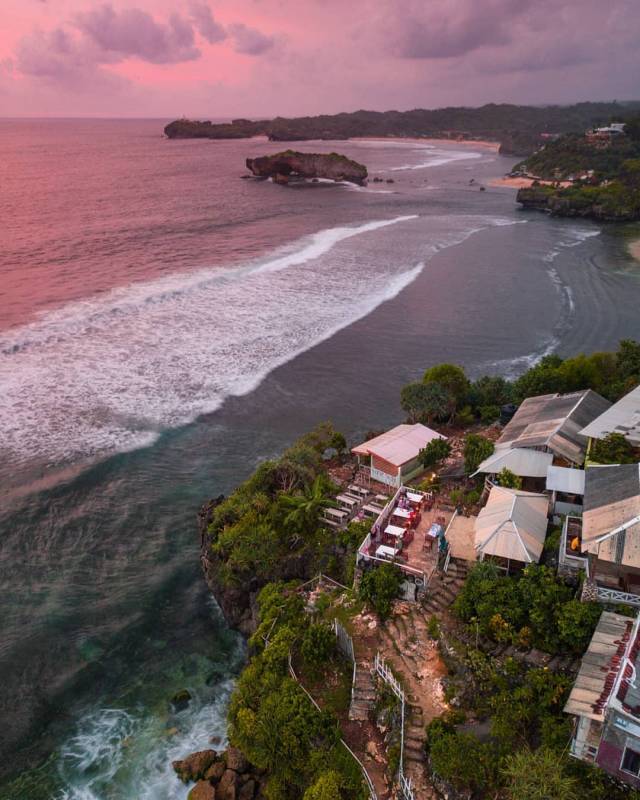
(235, 760)
(194, 766)
(180, 700)
(228, 786)
(215, 772)
(247, 790)
(203, 790)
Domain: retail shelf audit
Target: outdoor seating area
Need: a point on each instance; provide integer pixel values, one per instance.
(356, 502)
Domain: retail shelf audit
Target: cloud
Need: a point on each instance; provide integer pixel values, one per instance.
(205, 24)
(250, 41)
(134, 33)
(444, 30)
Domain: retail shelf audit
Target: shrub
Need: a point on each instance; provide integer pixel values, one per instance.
(476, 449)
(489, 413)
(380, 586)
(318, 644)
(613, 449)
(461, 759)
(509, 479)
(435, 451)
(540, 774)
(433, 628)
(472, 498)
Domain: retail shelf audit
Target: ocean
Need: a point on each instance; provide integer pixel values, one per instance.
(164, 327)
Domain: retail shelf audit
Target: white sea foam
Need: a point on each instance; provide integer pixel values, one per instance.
(437, 158)
(112, 372)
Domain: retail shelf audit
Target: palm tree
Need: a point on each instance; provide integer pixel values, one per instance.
(302, 511)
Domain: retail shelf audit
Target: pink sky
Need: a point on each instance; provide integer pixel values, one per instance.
(206, 58)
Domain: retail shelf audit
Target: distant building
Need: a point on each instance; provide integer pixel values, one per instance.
(605, 700)
(392, 457)
(602, 137)
(510, 530)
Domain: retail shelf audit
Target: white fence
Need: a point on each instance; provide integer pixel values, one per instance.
(384, 672)
(614, 596)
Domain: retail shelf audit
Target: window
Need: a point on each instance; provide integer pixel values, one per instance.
(631, 761)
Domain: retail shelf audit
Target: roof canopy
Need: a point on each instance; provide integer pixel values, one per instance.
(589, 695)
(399, 445)
(512, 525)
(522, 462)
(622, 417)
(563, 479)
(612, 503)
(555, 421)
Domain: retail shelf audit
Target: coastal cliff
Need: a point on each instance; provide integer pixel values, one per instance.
(288, 165)
(517, 128)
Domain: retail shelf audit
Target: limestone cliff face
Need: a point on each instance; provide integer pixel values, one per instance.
(288, 165)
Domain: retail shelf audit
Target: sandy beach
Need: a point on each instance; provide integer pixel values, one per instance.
(523, 183)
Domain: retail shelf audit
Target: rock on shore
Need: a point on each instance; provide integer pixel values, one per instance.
(282, 167)
(224, 776)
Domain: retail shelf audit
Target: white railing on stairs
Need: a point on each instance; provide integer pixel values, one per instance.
(384, 672)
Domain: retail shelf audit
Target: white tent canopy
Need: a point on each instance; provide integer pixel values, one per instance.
(512, 525)
(519, 460)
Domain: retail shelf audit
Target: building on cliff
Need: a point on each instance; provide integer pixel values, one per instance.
(605, 700)
(392, 457)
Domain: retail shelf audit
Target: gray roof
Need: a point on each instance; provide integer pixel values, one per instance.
(555, 421)
(522, 462)
(564, 479)
(612, 500)
(592, 690)
(622, 417)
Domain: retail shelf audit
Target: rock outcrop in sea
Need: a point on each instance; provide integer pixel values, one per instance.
(224, 776)
(290, 164)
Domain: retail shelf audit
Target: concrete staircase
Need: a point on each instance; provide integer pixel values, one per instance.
(363, 698)
(444, 586)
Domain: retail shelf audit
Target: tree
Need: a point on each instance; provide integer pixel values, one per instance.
(338, 443)
(476, 449)
(380, 586)
(613, 449)
(628, 360)
(539, 775)
(318, 644)
(426, 402)
(451, 378)
(435, 451)
(509, 479)
(490, 390)
(302, 511)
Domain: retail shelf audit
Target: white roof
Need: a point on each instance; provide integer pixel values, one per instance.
(622, 417)
(563, 479)
(520, 460)
(399, 445)
(512, 525)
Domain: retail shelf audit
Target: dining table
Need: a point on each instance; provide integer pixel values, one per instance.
(394, 530)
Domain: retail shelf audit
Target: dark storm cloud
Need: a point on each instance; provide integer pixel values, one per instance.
(250, 41)
(132, 32)
(205, 24)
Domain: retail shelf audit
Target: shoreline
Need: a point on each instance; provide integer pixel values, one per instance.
(492, 146)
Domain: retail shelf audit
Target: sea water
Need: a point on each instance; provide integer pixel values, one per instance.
(164, 327)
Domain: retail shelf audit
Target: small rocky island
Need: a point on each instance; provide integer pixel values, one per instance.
(290, 165)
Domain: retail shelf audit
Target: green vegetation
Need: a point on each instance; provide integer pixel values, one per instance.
(613, 449)
(441, 398)
(271, 719)
(476, 449)
(610, 190)
(523, 754)
(536, 608)
(435, 451)
(270, 527)
(509, 479)
(380, 586)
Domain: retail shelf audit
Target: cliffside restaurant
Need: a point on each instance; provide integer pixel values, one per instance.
(392, 457)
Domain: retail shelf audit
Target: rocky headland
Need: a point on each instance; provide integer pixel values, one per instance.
(291, 165)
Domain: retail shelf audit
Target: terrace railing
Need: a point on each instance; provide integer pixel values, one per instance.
(614, 596)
